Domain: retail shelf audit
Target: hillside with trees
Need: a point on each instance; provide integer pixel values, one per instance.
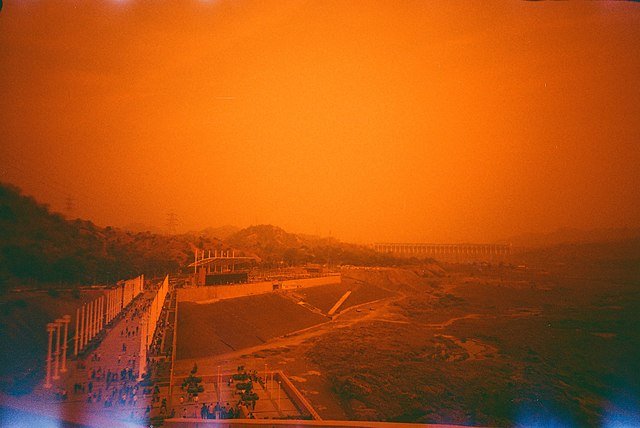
(40, 247)
(274, 245)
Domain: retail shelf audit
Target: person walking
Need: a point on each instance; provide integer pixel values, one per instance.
(203, 411)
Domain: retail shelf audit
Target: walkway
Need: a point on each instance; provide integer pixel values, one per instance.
(103, 385)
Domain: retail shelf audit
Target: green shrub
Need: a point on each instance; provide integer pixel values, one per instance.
(250, 396)
(247, 386)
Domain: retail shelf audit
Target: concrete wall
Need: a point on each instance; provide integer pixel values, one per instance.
(215, 292)
(296, 397)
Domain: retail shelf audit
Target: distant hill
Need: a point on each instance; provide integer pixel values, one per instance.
(573, 236)
(38, 246)
(221, 232)
(141, 227)
(274, 245)
(268, 242)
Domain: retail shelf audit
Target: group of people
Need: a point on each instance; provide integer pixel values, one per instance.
(118, 387)
(242, 409)
(61, 394)
(156, 346)
(126, 332)
(125, 395)
(109, 373)
(221, 411)
(109, 385)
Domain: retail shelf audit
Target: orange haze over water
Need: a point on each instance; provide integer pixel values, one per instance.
(403, 121)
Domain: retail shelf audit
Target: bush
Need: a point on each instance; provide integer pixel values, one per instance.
(195, 389)
(240, 376)
(192, 384)
(250, 396)
(247, 386)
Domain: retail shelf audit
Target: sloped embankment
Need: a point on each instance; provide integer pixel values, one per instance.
(391, 279)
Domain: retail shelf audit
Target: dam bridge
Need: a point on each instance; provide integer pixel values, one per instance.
(448, 252)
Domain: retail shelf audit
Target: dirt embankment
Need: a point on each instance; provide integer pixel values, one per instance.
(395, 279)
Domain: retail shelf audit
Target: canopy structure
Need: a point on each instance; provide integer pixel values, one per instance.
(221, 267)
(223, 261)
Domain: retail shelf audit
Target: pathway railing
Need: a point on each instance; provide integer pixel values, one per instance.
(91, 318)
(149, 322)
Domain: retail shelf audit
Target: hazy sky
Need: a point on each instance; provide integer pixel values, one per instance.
(377, 121)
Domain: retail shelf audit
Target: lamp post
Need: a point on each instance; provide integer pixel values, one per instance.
(279, 408)
(66, 319)
(221, 393)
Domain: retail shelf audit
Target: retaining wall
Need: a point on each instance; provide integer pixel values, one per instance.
(215, 292)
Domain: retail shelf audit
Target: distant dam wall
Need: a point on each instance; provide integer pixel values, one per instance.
(455, 253)
(216, 292)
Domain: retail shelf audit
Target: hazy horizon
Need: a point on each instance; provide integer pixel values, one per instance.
(417, 122)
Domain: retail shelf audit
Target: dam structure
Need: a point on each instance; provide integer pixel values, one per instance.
(457, 253)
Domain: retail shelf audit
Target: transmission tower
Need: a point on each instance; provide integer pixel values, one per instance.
(172, 223)
(69, 205)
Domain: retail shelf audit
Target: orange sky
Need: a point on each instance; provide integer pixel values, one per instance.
(377, 121)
